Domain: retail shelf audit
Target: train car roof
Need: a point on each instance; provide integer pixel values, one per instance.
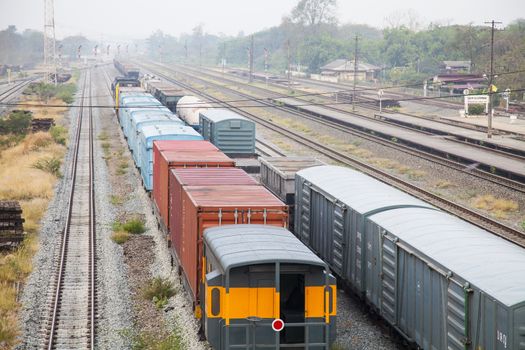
(242, 245)
(220, 114)
(358, 191)
(492, 264)
(174, 128)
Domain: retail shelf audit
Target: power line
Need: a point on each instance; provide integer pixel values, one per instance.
(198, 104)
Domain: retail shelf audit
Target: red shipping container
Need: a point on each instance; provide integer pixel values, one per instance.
(169, 159)
(168, 145)
(208, 206)
(200, 177)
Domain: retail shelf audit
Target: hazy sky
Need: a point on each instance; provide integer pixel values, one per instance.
(139, 18)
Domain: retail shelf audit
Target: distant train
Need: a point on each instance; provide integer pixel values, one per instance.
(127, 69)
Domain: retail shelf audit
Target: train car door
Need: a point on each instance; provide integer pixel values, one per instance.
(292, 304)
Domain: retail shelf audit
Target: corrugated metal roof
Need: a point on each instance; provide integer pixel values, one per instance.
(238, 196)
(357, 190)
(486, 261)
(212, 176)
(167, 129)
(241, 245)
(185, 145)
(202, 157)
(219, 114)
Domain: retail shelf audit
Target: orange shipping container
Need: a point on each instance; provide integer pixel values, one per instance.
(200, 177)
(165, 160)
(208, 206)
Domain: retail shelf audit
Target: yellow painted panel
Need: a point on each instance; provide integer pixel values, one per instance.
(315, 301)
(244, 302)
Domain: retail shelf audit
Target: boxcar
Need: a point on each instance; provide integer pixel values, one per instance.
(231, 132)
(202, 207)
(163, 161)
(144, 146)
(278, 175)
(255, 274)
(141, 118)
(179, 178)
(441, 282)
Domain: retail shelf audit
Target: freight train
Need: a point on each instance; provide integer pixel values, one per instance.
(440, 282)
(251, 281)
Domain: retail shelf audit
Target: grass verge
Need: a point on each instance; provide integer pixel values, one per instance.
(159, 290)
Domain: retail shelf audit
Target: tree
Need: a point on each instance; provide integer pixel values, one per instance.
(313, 13)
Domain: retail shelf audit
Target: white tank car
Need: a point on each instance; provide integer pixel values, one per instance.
(188, 109)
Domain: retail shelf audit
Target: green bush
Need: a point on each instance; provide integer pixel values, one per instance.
(58, 133)
(49, 165)
(17, 122)
(134, 226)
(476, 109)
(159, 290)
(66, 92)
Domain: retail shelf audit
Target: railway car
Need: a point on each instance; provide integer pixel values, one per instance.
(127, 69)
(163, 161)
(167, 94)
(141, 118)
(180, 178)
(255, 274)
(202, 207)
(278, 175)
(231, 132)
(144, 146)
(189, 108)
(441, 282)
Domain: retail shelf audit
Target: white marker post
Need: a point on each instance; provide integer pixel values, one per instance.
(506, 96)
(380, 93)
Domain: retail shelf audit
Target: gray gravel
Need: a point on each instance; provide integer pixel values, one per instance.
(114, 304)
(38, 290)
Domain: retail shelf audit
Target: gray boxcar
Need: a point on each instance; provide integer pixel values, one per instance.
(278, 174)
(230, 132)
(441, 282)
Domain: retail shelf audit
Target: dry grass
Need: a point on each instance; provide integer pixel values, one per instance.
(33, 188)
(120, 237)
(499, 207)
(442, 184)
(31, 104)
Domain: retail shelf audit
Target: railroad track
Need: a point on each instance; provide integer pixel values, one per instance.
(72, 323)
(383, 140)
(478, 219)
(13, 91)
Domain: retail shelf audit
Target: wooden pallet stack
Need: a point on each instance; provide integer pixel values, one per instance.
(42, 124)
(11, 223)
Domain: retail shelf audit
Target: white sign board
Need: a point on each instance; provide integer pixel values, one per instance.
(477, 100)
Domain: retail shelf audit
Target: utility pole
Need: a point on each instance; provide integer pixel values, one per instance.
(355, 72)
(288, 64)
(186, 52)
(491, 78)
(251, 60)
(223, 56)
(50, 42)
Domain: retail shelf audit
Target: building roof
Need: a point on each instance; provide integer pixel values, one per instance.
(357, 190)
(488, 262)
(465, 64)
(220, 114)
(241, 245)
(343, 65)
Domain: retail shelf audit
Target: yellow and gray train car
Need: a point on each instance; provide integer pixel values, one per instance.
(264, 289)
